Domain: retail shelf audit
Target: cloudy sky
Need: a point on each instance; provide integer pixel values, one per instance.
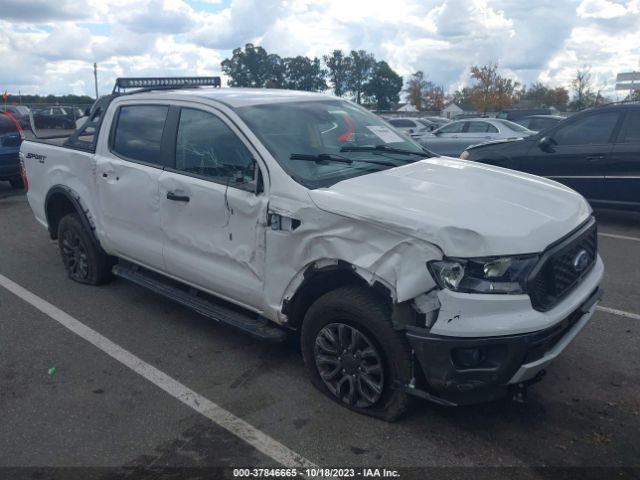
(49, 46)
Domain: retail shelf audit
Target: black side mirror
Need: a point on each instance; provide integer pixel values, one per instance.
(411, 130)
(432, 128)
(87, 111)
(546, 144)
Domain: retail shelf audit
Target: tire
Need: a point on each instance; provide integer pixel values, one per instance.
(82, 259)
(16, 182)
(381, 356)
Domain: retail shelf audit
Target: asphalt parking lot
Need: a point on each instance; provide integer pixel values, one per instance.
(66, 403)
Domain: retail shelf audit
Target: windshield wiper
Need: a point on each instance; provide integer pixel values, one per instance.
(331, 157)
(322, 157)
(382, 148)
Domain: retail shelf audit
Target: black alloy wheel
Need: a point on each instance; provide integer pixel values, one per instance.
(74, 255)
(349, 364)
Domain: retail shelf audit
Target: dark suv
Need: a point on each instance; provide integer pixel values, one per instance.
(595, 152)
(11, 137)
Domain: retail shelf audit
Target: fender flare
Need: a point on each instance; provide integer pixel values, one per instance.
(75, 200)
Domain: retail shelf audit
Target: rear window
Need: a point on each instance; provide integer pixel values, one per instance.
(138, 133)
(512, 125)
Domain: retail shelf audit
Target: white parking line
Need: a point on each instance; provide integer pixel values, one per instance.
(621, 313)
(243, 430)
(619, 237)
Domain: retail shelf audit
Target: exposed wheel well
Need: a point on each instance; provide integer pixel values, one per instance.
(58, 205)
(318, 282)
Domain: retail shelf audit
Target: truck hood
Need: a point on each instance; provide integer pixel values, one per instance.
(467, 209)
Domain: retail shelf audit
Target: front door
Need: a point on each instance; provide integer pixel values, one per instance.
(127, 183)
(212, 217)
(576, 153)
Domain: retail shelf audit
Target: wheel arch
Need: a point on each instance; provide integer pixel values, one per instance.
(62, 200)
(322, 277)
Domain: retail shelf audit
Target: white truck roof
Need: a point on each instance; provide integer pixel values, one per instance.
(234, 97)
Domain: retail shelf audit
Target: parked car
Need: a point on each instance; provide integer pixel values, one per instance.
(452, 138)
(595, 152)
(11, 137)
(274, 211)
(537, 123)
(57, 117)
(415, 127)
(517, 113)
(20, 113)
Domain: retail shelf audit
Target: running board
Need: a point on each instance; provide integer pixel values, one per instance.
(201, 302)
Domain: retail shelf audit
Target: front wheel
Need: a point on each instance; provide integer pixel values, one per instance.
(83, 260)
(354, 355)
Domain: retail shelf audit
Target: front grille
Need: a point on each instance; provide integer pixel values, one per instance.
(556, 274)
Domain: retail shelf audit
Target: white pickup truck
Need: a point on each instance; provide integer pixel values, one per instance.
(278, 212)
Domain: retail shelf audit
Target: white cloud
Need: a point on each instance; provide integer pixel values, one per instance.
(45, 50)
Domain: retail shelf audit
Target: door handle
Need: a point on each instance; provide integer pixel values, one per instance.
(177, 198)
(595, 158)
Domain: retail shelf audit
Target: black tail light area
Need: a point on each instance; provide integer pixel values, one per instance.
(23, 174)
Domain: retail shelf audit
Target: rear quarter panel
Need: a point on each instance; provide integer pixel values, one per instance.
(48, 165)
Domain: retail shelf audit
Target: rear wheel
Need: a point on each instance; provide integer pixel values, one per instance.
(16, 182)
(354, 355)
(83, 260)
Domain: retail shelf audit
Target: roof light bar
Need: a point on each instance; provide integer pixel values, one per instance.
(165, 82)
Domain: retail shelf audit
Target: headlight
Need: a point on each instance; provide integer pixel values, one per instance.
(483, 275)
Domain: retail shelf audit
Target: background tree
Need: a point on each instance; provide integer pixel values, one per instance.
(303, 73)
(543, 96)
(253, 67)
(492, 92)
(416, 89)
(583, 95)
(361, 67)
(338, 67)
(434, 98)
(462, 96)
(384, 86)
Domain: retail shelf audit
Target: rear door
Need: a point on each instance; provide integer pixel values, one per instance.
(577, 153)
(622, 173)
(212, 215)
(478, 132)
(127, 178)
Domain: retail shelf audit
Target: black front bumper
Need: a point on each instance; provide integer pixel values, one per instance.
(459, 370)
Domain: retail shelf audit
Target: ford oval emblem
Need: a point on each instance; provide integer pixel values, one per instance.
(581, 261)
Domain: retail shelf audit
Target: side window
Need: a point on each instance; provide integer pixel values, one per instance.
(480, 127)
(589, 130)
(139, 132)
(631, 128)
(455, 127)
(206, 146)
